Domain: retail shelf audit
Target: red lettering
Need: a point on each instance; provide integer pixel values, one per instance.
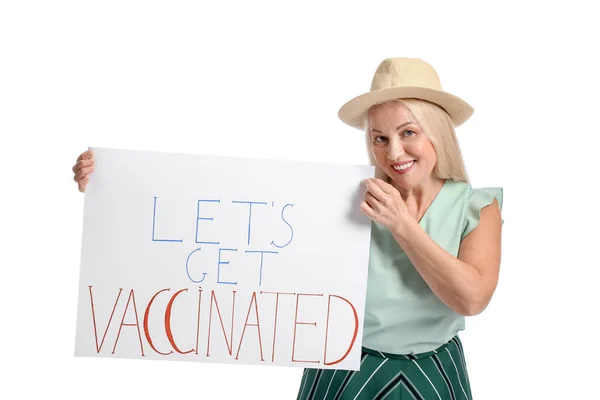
(253, 300)
(98, 348)
(275, 324)
(137, 324)
(198, 326)
(146, 328)
(296, 323)
(327, 330)
(229, 344)
(168, 323)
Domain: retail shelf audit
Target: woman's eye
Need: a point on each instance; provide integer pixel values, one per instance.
(380, 139)
(408, 133)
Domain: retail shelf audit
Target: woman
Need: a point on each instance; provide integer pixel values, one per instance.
(435, 243)
(435, 246)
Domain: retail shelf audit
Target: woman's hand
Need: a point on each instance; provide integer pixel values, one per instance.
(83, 168)
(383, 203)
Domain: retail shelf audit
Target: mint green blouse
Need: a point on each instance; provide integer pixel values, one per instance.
(403, 315)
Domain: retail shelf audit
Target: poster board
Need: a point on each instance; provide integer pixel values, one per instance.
(228, 260)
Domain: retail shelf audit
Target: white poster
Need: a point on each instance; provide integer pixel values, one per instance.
(228, 260)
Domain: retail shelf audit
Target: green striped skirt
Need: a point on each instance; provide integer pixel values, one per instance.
(436, 375)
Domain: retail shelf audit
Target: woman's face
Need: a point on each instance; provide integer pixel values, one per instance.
(401, 148)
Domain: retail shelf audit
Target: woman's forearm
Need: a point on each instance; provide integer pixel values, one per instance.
(454, 282)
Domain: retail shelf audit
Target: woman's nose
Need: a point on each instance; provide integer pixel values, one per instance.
(395, 150)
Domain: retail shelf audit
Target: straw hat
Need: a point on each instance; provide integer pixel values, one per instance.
(403, 78)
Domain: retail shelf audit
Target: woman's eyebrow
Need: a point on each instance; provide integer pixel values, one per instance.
(397, 128)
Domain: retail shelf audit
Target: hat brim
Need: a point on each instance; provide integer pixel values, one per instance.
(353, 112)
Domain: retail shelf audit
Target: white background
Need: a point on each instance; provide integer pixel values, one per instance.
(249, 78)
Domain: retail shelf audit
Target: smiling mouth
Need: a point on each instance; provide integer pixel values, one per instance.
(403, 167)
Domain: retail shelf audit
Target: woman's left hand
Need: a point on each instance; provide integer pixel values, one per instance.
(383, 203)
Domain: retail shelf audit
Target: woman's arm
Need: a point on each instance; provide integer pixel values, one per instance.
(465, 284)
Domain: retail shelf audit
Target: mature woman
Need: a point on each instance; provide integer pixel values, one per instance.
(435, 246)
(435, 243)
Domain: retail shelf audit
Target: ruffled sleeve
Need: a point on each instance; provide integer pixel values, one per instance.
(478, 199)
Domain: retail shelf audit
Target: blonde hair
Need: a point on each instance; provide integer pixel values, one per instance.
(438, 127)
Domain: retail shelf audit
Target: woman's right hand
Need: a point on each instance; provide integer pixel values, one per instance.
(83, 168)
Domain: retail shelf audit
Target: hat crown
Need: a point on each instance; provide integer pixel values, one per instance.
(404, 78)
(405, 72)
